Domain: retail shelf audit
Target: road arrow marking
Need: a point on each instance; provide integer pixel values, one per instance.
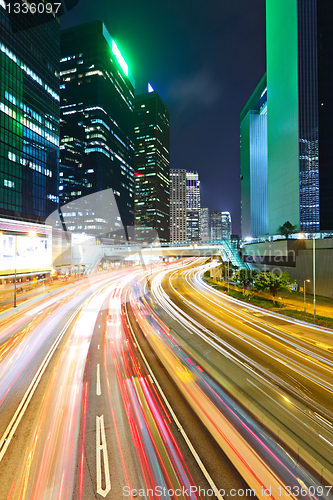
(101, 447)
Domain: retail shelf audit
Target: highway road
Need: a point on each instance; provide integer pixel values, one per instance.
(277, 370)
(83, 412)
(106, 393)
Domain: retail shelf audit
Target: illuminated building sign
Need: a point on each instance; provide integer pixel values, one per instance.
(119, 58)
(31, 252)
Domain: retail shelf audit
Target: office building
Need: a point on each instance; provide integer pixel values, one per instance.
(29, 127)
(216, 226)
(204, 224)
(178, 233)
(299, 120)
(253, 154)
(298, 148)
(97, 126)
(226, 225)
(192, 206)
(152, 163)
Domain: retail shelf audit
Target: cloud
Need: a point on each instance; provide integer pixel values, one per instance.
(200, 89)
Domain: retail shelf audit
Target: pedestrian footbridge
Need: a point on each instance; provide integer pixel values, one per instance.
(223, 249)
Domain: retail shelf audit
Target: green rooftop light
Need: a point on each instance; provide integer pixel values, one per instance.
(119, 58)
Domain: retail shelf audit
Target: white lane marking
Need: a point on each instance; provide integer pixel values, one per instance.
(101, 447)
(13, 424)
(98, 383)
(327, 441)
(98, 346)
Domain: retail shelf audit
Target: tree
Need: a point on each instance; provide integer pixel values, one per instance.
(286, 229)
(228, 270)
(272, 282)
(246, 277)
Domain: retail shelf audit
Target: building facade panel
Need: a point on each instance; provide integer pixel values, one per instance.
(283, 112)
(254, 182)
(308, 116)
(259, 181)
(325, 111)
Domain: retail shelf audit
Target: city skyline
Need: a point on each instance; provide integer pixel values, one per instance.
(197, 82)
(147, 348)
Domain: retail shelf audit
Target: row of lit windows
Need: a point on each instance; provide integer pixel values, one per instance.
(27, 110)
(28, 71)
(105, 74)
(49, 136)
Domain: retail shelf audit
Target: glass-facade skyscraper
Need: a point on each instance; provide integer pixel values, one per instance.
(97, 123)
(193, 206)
(178, 206)
(253, 149)
(300, 104)
(226, 225)
(286, 156)
(29, 128)
(216, 225)
(152, 164)
(204, 224)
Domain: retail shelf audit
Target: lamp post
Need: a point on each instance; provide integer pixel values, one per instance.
(304, 291)
(227, 273)
(314, 275)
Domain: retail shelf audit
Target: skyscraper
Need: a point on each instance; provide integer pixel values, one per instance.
(298, 152)
(254, 186)
(300, 105)
(97, 122)
(216, 226)
(178, 232)
(152, 163)
(193, 206)
(226, 225)
(204, 224)
(29, 127)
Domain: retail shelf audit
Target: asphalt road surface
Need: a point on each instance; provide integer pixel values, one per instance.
(83, 416)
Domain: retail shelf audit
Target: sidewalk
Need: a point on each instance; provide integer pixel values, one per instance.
(31, 297)
(324, 305)
(291, 301)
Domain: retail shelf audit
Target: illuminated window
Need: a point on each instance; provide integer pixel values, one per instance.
(8, 183)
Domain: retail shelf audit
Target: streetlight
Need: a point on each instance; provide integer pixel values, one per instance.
(32, 234)
(314, 275)
(304, 291)
(227, 274)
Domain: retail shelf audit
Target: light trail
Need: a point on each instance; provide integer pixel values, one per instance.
(153, 379)
(159, 459)
(53, 443)
(192, 326)
(275, 354)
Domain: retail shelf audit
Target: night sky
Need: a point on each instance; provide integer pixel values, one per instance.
(204, 59)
